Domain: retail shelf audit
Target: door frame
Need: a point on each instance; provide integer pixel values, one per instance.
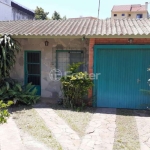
(25, 66)
(97, 48)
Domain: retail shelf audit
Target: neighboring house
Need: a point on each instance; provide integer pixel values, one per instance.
(130, 11)
(117, 51)
(11, 10)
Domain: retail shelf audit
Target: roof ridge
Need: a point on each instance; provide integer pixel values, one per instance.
(74, 27)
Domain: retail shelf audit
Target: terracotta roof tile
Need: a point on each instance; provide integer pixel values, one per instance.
(119, 8)
(141, 8)
(129, 8)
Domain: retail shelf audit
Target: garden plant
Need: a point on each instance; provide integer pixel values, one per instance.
(11, 89)
(75, 87)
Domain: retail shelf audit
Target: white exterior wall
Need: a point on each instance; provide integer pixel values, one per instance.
(19, 15)
(7, 2)
(9, 13)
(5, 10)
(133, 15)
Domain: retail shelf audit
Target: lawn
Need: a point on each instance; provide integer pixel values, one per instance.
(78, 121)
(28, 120)
(126, 134)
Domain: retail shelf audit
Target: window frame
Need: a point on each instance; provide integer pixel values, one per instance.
(141, 16)
(57, 51)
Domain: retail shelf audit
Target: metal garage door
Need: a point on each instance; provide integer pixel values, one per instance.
(123, 70)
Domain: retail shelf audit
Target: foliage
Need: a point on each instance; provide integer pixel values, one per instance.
(26, 94)
(40, 14)
(56, 16)
(4, 114)
(17, 93)
(64, 18)
(10, 88)
(75, 87)
(8, 48)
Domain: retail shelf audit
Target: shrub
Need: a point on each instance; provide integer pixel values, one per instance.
(10, 88)
(17, 93)
(8, 49)
(75, 86)
(4, 114)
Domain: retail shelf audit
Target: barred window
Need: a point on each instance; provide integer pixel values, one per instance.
(66, 57)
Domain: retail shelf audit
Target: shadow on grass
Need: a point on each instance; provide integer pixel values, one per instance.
(53, 104)
(18, 108)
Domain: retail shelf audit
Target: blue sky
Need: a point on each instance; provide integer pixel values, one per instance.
(77, 8)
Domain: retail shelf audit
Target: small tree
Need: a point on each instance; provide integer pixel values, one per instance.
(40, 14)
(8, 48)
(64, 18)
(75, 86)
(56, 16)
(4, 114)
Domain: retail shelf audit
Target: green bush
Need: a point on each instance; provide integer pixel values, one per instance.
(4, 114)
(10, 88)
(75, 86)
(8, 49)
(17, 93)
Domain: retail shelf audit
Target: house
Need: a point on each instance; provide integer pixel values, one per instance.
(11, 10)
(130, 11)
(116, 52)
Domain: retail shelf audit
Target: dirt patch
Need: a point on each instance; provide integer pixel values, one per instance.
(126, 134)
(28, 120)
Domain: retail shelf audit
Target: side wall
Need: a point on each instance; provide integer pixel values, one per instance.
(6, 10)
(20, 15)
(10, 13)
(109, 41)
(49, 88)
(133, 15)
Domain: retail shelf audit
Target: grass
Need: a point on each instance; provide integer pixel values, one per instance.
(126, 134)
(28, 120)
(78, 121)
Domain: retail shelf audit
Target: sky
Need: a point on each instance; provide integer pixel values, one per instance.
(78, 8)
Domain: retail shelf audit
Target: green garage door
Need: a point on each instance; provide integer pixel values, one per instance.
(123, 73)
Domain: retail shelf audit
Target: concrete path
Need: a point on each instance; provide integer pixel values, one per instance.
(9, 136)
(100, 132)
(12, 138)
(68, 139)
(143, 125)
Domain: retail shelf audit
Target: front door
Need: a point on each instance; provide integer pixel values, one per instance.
(33, 69)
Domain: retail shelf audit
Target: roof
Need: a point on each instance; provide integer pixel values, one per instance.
(129, 8)
(90, 17)
(22, 8)
(76, 28)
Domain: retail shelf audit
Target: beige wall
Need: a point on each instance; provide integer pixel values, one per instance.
(49, 88)
(133, 15)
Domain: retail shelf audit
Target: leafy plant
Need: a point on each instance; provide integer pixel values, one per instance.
(8, 48)
(4, 114)
(40, 14)
(10, 88)
(17, 93)
(56, 16)
(75, 87)
(26, 94)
